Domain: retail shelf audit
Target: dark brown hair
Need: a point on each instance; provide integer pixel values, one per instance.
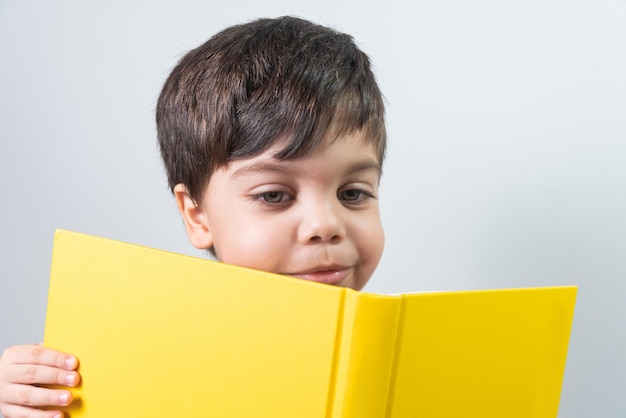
(258, 82)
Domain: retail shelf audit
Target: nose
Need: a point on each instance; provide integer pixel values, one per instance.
(321, 223)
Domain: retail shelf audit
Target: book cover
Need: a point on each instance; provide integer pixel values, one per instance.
(162, 334)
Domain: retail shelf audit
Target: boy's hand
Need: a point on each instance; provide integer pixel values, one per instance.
(22, 368)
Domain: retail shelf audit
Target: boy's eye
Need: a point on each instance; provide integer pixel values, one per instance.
(353, 195)
(274, 197)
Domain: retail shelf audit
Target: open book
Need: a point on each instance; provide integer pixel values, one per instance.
(160, 334)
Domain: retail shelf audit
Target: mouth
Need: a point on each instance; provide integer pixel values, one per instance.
(327, 275)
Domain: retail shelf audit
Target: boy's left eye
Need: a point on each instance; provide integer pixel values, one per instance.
(352, 195)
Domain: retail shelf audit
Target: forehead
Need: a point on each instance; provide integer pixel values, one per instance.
(347, 153)
(357, 141)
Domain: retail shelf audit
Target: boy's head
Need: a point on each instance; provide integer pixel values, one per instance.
(257, 98)
(253, 84)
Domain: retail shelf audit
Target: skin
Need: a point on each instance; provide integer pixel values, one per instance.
(26, 365)
(314, 217)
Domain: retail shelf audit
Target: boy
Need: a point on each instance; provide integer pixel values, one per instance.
(273, 138)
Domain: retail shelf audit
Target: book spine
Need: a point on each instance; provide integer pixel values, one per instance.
(366, 355)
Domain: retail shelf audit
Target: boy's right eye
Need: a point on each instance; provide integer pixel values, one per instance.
(274, 197)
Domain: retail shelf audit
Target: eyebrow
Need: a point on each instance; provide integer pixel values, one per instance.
(364, 166)
(281, 168)
(264, 166)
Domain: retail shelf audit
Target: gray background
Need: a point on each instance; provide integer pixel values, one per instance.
(507, 126)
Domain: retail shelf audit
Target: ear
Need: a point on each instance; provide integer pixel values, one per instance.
(195, 220)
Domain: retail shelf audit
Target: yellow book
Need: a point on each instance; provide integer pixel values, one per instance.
(160, 334)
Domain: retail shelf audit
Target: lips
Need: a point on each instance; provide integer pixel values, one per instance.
(328, 275)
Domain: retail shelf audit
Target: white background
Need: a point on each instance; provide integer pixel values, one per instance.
(506, 163)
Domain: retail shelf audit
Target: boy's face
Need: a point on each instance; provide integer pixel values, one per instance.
(315, 217)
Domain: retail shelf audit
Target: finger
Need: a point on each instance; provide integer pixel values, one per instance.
(37, 354)
(36, 374)
(27, 395)
(26, 412)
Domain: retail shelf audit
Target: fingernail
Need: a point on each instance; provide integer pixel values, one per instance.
(70, 362)
(64, 398)
(70, 378)
(58, 416)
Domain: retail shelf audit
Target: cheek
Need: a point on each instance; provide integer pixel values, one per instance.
(256, 245)
(371, 242)
(376, 243)
(372, 236)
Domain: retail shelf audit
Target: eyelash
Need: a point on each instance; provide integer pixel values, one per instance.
(269, 198)
(283, 197)
(362, 195)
